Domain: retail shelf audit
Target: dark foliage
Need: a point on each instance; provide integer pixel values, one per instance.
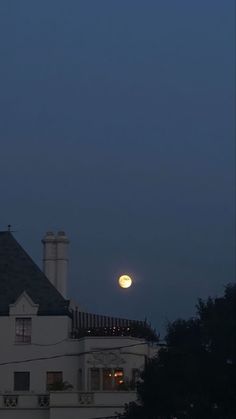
(194, 377)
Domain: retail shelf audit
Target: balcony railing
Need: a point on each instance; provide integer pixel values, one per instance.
(10, 401)
(44, 400)
(85, 398)
(66, 399)
(13, 401)
(88, 324)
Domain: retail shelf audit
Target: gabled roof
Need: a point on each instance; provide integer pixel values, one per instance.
(19, 273)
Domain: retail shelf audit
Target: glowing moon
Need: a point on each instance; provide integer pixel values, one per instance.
(125, 281)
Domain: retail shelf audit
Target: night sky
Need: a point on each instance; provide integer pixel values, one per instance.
(117, 126)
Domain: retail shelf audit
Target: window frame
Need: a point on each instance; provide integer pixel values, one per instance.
(80, 380)
(23, 332)
(98, 370)
(118, 377)
(54, 373)
(17, 373)
(108, 379)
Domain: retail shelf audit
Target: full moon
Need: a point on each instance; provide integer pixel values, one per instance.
(125, 281)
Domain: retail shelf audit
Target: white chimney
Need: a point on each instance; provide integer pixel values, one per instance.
(49, 256)
(55, 260)
(62, 243)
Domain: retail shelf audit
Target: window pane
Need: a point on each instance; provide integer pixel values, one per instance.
(23, 330)
(54, 377)
(107, 379)
(95, 379)
(118, 378)
(21, 381)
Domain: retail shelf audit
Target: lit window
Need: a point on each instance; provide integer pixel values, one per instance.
(21, 381)
(54, 379)
(95, 379)
(118, 378)
(113, 379)
(23, 330)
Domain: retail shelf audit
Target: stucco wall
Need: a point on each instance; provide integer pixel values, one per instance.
(83, 413)
(46, 333)
(50, 338)
(57, 352)
(24, 414)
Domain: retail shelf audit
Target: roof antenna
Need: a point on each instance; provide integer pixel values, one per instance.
(9, 229)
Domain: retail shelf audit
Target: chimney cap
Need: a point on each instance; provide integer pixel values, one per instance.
(49, 237)
(62, 237)
(50, 233)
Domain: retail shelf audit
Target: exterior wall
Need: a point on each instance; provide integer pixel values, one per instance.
(24, 414)
(46, 332)
(27, 408)
(68, 406)
(51, 343)
(113, 352)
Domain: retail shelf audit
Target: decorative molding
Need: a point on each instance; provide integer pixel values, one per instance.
(10, 401)
(85, 398)
(44, 400)
(23, 306)
(106, 359)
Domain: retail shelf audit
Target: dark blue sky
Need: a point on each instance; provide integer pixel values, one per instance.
(117, 125)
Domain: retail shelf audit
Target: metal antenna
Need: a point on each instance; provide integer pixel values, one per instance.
(9, 228)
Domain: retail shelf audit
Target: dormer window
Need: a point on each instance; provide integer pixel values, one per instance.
(23, 330)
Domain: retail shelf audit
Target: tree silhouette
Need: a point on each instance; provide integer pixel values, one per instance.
(194, 376)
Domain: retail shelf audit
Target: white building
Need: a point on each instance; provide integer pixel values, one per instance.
(55, 361)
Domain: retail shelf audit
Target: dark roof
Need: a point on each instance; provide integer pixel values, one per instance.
(19, 273)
